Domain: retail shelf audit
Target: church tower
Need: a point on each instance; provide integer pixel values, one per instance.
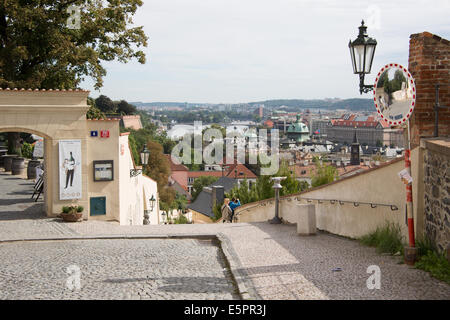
(354, 158)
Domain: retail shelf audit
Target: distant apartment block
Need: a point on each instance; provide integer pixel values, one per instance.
(369, 130)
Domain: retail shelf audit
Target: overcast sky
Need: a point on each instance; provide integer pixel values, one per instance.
(228, 51)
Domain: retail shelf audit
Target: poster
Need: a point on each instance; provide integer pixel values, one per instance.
(69, 169)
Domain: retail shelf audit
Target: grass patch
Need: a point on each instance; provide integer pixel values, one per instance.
(435, 263)
(386, 239)
(431, 261)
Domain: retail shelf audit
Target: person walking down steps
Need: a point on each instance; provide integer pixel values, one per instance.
(226, 210)
(233, 205)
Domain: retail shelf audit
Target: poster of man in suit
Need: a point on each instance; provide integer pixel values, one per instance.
(69, 169)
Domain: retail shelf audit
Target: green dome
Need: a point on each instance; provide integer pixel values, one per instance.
(298, 127)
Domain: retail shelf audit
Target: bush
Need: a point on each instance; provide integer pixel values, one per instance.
(65, 209)
(181, 219)
(27, 150)
(387, 239)
(436, 264)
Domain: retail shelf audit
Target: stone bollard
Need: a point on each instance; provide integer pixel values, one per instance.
(306, 221)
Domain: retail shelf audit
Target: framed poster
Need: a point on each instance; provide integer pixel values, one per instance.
(103, 170)
(69, 169)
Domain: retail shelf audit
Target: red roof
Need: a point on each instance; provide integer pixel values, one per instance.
(196, 174)
(241, 173)
(268, 123)
(349, 121)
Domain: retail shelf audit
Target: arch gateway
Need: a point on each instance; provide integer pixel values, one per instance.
(102, 158)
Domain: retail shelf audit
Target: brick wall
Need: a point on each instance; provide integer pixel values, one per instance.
(429, 64)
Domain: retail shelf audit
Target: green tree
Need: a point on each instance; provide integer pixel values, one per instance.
(94, 112)
(124, 107)
(105, 104)
(27, 150)
(324, 174)
(201, 182)
(39, 50)
(289, 185)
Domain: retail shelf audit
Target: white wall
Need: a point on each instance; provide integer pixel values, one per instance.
(381, 185)
(134, 192)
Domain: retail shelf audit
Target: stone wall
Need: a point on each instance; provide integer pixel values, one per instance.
(437, 191)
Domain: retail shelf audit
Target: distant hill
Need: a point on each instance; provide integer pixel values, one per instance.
(351, 104)
(356, 104)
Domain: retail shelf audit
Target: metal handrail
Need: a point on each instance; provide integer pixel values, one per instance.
(341, 202)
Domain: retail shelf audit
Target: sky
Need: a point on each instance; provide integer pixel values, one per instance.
(232, 51)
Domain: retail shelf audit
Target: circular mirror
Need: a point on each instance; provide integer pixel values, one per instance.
(394, 94)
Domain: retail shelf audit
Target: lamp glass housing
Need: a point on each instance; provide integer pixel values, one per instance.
(144, 156)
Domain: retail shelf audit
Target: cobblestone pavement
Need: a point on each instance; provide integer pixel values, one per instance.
(115, 269)
(20, 216)
(276, 263)
(267, 261)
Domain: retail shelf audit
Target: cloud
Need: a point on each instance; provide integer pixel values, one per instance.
(244, 50)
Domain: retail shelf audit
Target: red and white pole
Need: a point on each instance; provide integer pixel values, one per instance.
(409, 202)
(409, 197)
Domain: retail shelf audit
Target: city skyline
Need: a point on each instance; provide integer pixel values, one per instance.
(235, 52)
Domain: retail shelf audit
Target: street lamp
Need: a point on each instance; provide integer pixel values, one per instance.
(152, 202)
(144, 161)
(147, 212)
(144, 156)
(362, 51)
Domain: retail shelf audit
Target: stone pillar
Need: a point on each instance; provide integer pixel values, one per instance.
(306, 221)
(429, 64)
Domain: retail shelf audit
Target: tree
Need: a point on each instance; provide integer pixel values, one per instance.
(324, 174)
(39, 50)
(158, 167)
(105, 104)
(201, 182)
(124, 107)
(94, 112)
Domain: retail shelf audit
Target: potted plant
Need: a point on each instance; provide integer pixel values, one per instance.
(72, 213)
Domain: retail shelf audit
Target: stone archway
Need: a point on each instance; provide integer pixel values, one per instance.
(47, 186)
(55, 115)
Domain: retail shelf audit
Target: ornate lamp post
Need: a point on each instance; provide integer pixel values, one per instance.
(147, 212)
(144, 161)
(362, 51)
(277, 186)
(152, 202)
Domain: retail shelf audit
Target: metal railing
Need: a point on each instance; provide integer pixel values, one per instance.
(373, 205)
(355, 203)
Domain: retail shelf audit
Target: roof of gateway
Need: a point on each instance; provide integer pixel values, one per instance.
(43, 90)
